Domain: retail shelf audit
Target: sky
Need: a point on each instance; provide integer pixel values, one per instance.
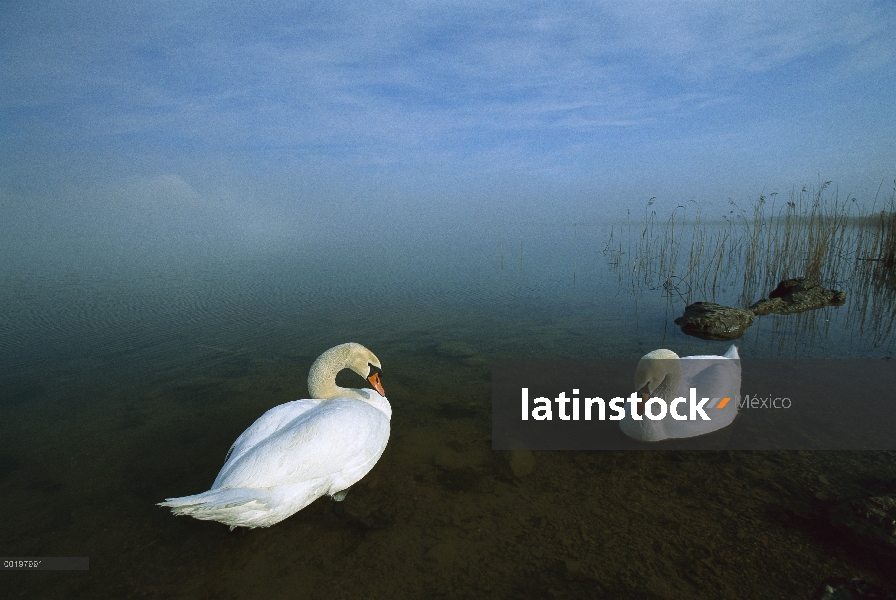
(270, 120)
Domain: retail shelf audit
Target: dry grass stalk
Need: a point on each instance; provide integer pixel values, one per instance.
(814, 234)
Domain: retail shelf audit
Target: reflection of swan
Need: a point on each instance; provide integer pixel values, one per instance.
(301, 450)
(662, 374)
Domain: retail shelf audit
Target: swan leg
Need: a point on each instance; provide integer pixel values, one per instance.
(338, 506)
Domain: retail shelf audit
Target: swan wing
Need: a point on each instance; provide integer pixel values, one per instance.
(266, 424)
(713, 376)
(644, 430)
(732, 353)
(338, 440)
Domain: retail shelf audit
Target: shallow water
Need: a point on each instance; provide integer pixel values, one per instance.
(123, 386)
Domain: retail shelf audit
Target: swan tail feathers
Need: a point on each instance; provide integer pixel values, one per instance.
(732, 352)
(237, 507)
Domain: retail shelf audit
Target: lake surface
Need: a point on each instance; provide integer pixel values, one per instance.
(125, 382)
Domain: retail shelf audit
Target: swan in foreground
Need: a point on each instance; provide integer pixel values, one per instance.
(662, 374)
(299, 451)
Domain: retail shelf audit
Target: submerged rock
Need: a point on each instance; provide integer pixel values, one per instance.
(870, 519)
(522, 463)
(851, 589)
(710, 321)
(798, 295)
(520, 459)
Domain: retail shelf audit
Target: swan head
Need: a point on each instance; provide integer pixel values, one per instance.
(322, 377)
(658, 374)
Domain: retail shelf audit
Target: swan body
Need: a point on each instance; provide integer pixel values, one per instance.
(302, 450)
(662, 374)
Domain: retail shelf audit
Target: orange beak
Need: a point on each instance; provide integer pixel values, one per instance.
(374, 380)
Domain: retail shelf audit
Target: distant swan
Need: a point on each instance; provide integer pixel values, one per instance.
(299, 451)
(662, 374)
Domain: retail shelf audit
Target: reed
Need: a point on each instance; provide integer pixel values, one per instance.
(815, 234)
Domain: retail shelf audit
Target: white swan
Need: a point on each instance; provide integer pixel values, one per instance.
(662, 374)
(301, 450)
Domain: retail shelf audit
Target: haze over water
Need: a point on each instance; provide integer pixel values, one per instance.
(196, 201)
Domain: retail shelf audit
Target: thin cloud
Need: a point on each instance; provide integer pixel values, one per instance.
(392, 84)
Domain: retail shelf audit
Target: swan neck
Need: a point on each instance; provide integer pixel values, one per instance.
(322, 376)
(668, 388)
(323, 386)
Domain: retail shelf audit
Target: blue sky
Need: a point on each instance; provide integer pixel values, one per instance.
(238, 114)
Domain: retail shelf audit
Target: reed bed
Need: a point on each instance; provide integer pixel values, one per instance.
(741, 257)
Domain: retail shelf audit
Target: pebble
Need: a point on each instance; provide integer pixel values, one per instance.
(522, 462)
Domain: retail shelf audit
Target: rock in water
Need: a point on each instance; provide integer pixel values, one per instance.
(798, 295)
(851, 589)
(522, 463)
(520, 459)
(871, 519)
(710, 321)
